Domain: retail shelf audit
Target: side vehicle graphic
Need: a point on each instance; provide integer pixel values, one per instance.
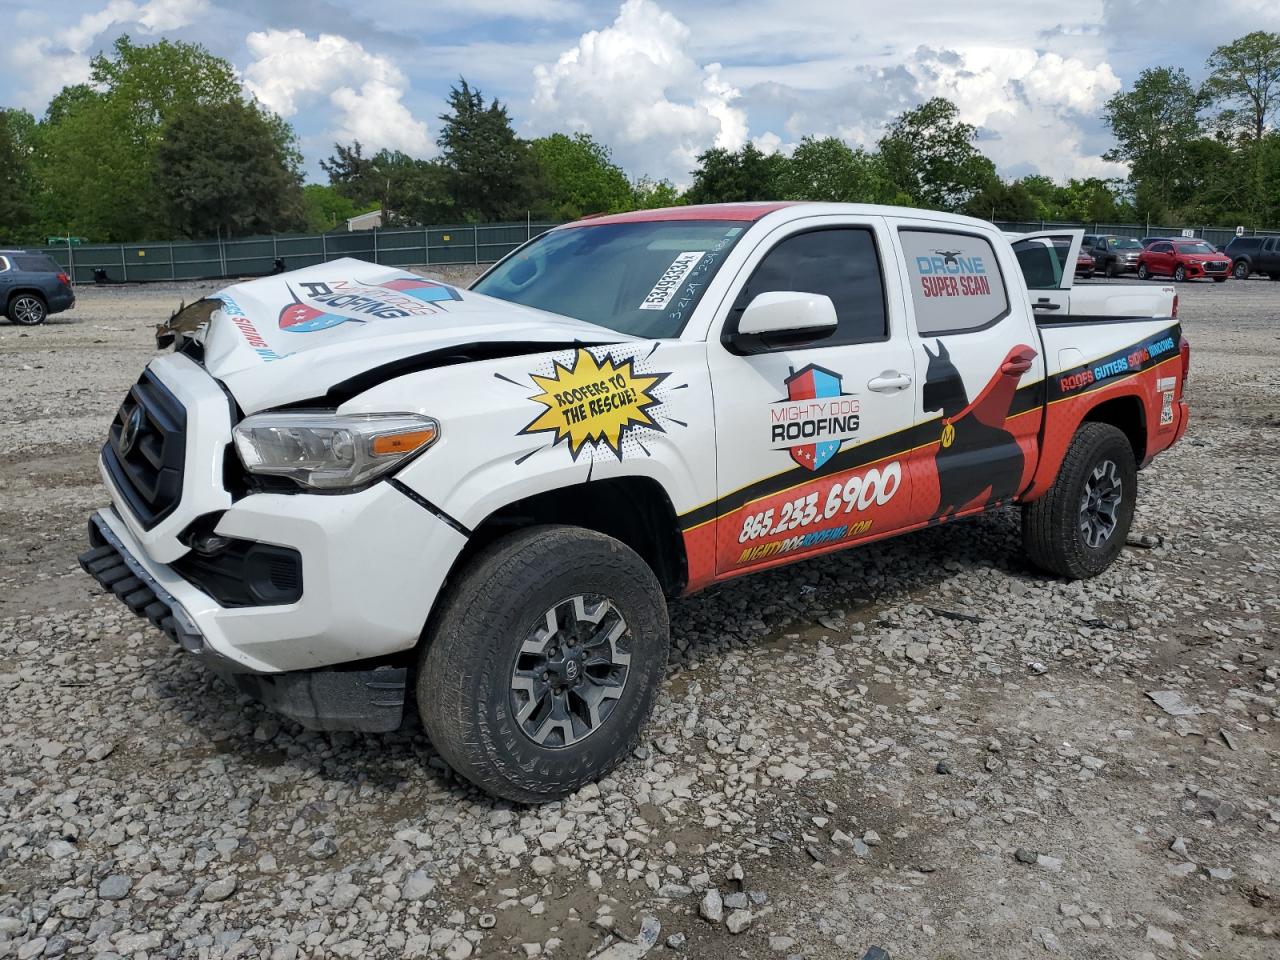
(485, 496)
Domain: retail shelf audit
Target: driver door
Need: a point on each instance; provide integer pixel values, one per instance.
(812, 439)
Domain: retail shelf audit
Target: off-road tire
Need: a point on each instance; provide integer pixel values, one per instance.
(27, 309)
(1051, 529)
(465, 671)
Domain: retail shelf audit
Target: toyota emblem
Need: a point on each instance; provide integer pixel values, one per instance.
(129, 430)
(571, 670)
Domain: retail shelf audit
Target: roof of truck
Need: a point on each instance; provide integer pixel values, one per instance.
(702, 211)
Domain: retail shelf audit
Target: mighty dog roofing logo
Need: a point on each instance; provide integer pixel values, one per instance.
(815, 418)
(319, 305)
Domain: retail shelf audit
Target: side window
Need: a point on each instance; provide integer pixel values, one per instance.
(1043, 261)
(956, 284)
(1162, 248)
(840, 262)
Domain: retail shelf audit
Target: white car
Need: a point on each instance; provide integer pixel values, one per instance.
(348, 479)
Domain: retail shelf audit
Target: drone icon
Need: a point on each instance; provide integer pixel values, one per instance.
(949, 256)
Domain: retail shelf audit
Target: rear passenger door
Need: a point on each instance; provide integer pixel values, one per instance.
(978, 363)
(812, 440)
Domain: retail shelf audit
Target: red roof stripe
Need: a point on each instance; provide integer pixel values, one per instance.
(707, 211)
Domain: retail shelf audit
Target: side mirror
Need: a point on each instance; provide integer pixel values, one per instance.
(780, 319)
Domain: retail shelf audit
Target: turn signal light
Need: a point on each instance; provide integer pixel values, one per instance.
(398, 443)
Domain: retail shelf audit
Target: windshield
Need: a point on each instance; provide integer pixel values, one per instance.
(641, 278)
(1200, 247)
(1125, 243)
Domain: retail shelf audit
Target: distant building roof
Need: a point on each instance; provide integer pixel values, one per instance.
(365, 221)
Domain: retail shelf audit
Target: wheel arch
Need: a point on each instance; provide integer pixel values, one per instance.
(633, 509)
(1128, 414)
(19, 291)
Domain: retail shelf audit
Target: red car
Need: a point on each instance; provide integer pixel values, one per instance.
(1085, 265)
(1183, 260)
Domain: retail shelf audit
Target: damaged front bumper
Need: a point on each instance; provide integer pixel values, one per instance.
(348, 697)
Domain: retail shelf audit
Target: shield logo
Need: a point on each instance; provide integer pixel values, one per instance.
(811, 383)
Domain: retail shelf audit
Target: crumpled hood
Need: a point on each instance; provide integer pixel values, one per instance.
(291, 337)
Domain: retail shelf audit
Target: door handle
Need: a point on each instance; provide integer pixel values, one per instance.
(891, 381)
(1044, 303)
(1018, 365)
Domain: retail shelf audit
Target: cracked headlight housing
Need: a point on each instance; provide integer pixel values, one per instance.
(326, 451)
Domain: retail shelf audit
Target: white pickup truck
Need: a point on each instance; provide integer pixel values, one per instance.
(348, 482)
(1048, 261)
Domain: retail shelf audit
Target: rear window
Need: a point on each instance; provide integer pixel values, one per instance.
(1245, 243)
(956, 283)
(35, 263)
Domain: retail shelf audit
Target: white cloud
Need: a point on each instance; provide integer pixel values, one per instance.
(291, 70)
(636, 86)
(55, 59)
(1028, 105)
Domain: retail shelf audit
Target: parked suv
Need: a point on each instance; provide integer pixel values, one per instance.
(1183, 260)
(1251, 255)
(32, 286)
(1113, 255)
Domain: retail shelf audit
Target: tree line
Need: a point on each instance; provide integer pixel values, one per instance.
(162, 143)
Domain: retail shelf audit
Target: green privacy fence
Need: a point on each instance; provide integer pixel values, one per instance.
(251, 256)
(1215, 235)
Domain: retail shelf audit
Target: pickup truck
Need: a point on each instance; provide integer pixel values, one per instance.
(349, 488)
(1045, 258)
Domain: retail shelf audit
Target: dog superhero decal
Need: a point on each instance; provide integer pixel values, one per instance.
(978, 460)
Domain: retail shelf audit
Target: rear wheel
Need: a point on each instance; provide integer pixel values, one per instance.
(1241, 270)
(27, 309)
(544, 662)
(1179, 273)
(1143, 272)
(1079, 527)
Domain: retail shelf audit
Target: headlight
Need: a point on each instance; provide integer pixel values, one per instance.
(326, 451)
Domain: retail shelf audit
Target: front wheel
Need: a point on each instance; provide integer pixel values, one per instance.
(1241, 270)
(1111, 270)
(1180, 273)
(1143, 272)
(544, 662)
(1079, 527)
(27, 310)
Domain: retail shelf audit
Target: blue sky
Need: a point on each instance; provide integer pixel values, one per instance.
(661, 81)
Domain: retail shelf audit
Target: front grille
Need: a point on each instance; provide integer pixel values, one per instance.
(146, 450)
(1215, 268)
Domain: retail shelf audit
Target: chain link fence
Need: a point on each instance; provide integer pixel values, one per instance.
(1218, 236)
(253, 256)
(468, 243)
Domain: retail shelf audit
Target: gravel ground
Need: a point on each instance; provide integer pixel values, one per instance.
(922, 745)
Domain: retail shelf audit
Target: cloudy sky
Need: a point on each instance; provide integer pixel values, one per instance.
(660, 81)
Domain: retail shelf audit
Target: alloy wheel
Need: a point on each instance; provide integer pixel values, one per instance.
(27, 310)
(1100, 504)
(570, 671)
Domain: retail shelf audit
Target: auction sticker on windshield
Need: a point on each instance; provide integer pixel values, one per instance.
(669, 282)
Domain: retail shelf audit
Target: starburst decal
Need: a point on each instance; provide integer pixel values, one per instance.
(594, 402)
